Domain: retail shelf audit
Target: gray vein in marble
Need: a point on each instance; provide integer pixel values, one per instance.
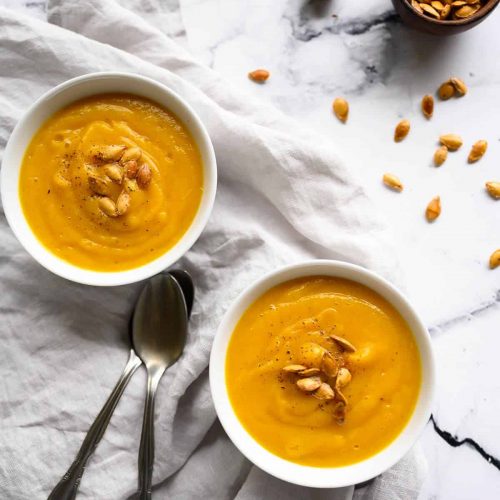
(302, 30)
(376, 32)
(165, 15)
(449, 323)
(211, 49)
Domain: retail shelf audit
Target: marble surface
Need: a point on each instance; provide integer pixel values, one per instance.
(319, 49)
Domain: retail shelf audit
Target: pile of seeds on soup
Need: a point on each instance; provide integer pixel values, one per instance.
(324, 374)
(116, 164)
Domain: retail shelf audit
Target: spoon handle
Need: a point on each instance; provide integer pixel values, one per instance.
(68, 486)
(147, 447)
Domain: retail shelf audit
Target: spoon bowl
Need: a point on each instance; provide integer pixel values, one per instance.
(159, 323)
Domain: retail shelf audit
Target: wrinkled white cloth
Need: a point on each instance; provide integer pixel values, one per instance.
(283, 196)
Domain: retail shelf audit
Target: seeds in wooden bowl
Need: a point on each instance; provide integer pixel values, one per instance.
(465, 11)
(416, 6)
(447, 10)
(444, 14)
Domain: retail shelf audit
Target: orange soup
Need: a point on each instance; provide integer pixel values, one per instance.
(323, 371)
(111, 182)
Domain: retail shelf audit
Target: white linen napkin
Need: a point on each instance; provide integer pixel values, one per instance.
(283, 196)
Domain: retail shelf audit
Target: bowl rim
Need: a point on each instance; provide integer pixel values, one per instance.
(484, 11)
(10, 173)
(319, 477)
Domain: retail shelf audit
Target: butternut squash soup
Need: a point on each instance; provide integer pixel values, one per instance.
(323, 371)
(111, 182)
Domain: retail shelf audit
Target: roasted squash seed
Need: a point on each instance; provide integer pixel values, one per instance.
(459, 86)
(343, 343)
(341, 109)
(343, 377)
(493, 189)
(294, 368)
(477, 151)
(433, 210)
(114, 172)
(402, 130)
(440, 155)
(495, 259)
(108, 206)
(123, 202)
(259, 75)
(329, 365)
(309, 384)
(390, 180)
(309, 372)
(446, 91)
(451, 141)
(428, 106)
(324, 392)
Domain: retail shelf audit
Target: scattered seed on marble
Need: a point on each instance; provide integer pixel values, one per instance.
(433, 210)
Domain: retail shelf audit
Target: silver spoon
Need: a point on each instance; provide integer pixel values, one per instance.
(67, 487)
(159, 332)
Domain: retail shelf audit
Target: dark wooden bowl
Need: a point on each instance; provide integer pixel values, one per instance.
(428, 24)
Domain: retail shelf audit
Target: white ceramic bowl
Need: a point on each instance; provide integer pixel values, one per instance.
(61, 96)
(318, 477)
